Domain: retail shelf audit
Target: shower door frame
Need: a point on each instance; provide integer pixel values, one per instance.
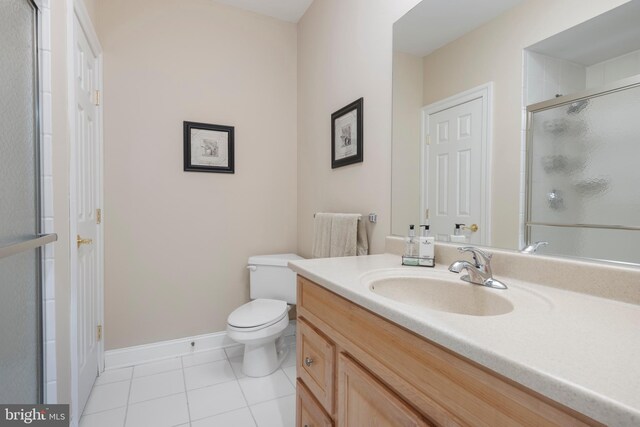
(617, 86)
(40, 240)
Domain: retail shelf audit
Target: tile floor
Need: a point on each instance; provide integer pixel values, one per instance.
(205, 389)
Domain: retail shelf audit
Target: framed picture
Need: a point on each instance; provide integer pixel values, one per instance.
(346, 135)
(208, 148)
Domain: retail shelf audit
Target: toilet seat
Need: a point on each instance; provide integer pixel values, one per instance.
(257, 314)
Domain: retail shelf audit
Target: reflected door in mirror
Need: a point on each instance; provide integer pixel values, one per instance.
(454, 167)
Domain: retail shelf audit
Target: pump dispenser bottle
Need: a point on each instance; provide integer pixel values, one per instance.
(426, 249)
(458, 235)
(411, 249)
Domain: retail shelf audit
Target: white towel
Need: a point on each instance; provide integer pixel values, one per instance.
(321, 236)
(338, 235)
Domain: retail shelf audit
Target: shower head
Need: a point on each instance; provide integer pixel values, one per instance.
(577, 106)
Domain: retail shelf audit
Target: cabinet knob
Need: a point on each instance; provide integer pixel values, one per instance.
(308, 361)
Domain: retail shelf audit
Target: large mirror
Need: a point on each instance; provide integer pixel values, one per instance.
(513, 122)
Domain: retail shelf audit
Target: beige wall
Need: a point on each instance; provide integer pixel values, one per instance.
(177, 243)
(408, 78)
(92, 7)
(493, 52)
(344, 53)
(60, 172)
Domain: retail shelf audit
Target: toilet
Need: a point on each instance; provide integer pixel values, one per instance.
(260, 324)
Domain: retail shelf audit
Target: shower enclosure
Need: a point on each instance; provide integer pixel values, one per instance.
(583, 173)
(21, 244)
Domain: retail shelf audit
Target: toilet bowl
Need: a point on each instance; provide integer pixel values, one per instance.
(260, 323)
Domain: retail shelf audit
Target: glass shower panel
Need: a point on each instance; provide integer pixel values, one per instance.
(584, 166)
(593, 243)
(583, 192)
(20, 283)
(20, 333)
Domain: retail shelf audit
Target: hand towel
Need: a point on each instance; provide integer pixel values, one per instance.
(363, 240)
(321, 235)
(338, 235)
(344, 235)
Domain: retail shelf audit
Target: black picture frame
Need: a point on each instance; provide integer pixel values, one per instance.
(343, 121)
(217, 154)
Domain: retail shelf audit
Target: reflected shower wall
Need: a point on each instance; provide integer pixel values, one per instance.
(583, 173)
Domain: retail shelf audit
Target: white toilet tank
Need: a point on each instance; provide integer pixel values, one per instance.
(271, 278)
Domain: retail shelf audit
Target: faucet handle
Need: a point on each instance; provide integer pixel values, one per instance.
(533, 247)
(486, 256)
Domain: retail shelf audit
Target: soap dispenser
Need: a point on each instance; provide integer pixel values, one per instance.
(458, 235)
(426, 248)
(411, 249)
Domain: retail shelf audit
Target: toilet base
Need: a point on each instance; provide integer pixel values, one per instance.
(264, 359)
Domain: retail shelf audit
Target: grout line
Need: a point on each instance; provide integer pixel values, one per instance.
(212, 385)
(112, 382)
(293, 383)
(205, 363)
(242, 391)
(156, 398)
(255, 421)
(221, 413)
(225, 412)
(184, 382)
(126, 412)
(157, 373)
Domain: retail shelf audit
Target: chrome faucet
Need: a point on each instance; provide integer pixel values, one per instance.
(480, 271)
(532, 248)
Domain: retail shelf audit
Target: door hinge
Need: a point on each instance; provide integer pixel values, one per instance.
(97, 98)
(426, 214)
(98, 216)
(428, 140)
(99, 332)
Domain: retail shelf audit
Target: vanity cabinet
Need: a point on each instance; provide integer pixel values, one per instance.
(356, 369)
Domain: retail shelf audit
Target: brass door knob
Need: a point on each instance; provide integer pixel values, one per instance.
(473, 228)
(82, 241)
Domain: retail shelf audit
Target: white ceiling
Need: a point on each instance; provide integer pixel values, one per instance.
(286, 10)
(435, 23)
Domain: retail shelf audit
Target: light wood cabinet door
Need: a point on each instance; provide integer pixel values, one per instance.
(315, 363)
(365, 401)
(309, 413)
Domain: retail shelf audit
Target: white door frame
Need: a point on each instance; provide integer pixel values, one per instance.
(77, 9)
(484, 92)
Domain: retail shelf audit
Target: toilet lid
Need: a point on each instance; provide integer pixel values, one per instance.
(258, 312)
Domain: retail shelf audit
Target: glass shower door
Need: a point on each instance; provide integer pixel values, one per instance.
(20, 241)
(584, 197)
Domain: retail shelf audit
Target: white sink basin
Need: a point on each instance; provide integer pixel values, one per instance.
(438, 291)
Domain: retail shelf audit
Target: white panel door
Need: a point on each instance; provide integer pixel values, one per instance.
(454, 169)
(87, 175)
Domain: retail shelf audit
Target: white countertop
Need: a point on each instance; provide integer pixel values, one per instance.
(580, 350)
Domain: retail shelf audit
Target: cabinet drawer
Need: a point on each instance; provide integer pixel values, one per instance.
(315, 363)
(309, 413)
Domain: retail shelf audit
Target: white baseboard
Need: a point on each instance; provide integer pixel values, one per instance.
(145, 353)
